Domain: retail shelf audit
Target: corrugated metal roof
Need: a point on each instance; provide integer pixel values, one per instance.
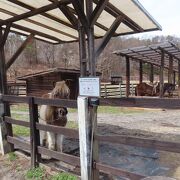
(51, 24)
(152, 54)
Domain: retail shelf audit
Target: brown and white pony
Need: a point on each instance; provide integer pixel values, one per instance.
(54, 116)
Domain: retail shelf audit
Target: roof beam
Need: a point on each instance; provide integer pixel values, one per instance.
(69, 15)
(81, 15)
(44, 14)
(127, 21)
(97, 11)
(108, 35)
(19, 51)
(5, 35)
(162, 49)
(35, 12)
(31, 31)
(42, 25)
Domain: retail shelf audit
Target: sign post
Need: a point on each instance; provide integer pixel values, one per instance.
(89, 91)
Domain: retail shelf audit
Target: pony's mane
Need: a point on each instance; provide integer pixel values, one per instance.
(61, 91)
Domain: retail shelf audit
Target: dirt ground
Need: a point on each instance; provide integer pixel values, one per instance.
(157, 124)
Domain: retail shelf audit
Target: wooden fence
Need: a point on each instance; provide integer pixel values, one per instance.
(36, 150)
(17, 88)
(108, 90)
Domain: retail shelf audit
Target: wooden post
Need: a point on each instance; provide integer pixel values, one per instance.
(179, 78)
(84, 134)
(34, 133)
(5, 128)
(140, 72)
(170, 71)
(161, 77)
(151, 73)
(174, 77)
(120, 88)
(127, 77)
(82, 48)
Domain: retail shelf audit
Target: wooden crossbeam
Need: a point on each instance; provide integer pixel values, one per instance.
(19, 51)
(69, 15)
(108, 35)
(34, 12)
(44, 14)
(97, 11)
(5, 35)
(80, 12)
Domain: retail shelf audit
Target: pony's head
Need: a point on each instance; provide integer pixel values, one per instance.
(61, 90)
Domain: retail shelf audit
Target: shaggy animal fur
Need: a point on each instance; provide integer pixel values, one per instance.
(54, 116)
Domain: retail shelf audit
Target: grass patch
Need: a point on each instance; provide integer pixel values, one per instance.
(20, 116)
(12, 156)
(36, 173)
(72, 124)
(118, 110)
(21, 131)
(20, 107)
(63, 176)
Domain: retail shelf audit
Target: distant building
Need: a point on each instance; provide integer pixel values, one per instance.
(43, 82)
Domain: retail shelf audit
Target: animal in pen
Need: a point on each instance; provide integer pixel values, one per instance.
(144, 89)
(54, 116)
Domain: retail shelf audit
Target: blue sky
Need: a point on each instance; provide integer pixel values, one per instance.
(166, 13)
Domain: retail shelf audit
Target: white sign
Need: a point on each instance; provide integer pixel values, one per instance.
(89, 87)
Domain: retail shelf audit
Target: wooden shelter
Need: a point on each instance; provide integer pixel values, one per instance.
(164, 55)
(43, 82)
(65, 21)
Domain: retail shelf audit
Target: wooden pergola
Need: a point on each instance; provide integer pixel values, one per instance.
(165, 56)
(65, 21)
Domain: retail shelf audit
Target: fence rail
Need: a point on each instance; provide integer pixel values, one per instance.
(108, 90)
(36, 150)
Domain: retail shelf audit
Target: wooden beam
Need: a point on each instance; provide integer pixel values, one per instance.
(97, 11)
(80, 12)
(5, 35)
(69, 15)
(127, 76)
(140, 71)
(82, 47)
(44, 14)
(114, 11)
(19, 51)
(151, 73)
(5, 128)
(108, 35)
(161, 75)
(32, 31)
(174, 77)
(170, 71)
(179, 78)
(46, 26)
(34, 12)
(34, 133)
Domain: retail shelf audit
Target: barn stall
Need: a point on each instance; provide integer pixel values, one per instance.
(164, 56)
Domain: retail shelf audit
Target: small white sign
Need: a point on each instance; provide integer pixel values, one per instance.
(89, 86)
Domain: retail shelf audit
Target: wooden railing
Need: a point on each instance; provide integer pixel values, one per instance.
(37, 150)
(109, 91)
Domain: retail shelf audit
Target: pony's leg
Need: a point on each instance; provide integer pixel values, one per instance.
(43, 135)
(59, 142)
(43, 138)
(51, 137)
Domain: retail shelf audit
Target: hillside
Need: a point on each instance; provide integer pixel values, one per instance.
(40, 56)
